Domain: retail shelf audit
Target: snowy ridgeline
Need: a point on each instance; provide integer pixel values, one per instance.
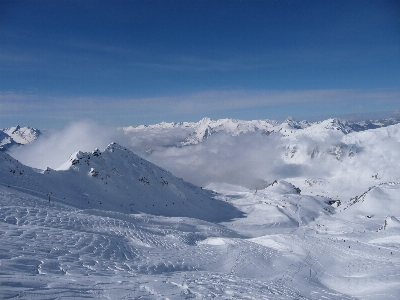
(118, 180)
(110, 224)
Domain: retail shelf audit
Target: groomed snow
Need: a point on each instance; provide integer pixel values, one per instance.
(58, 251)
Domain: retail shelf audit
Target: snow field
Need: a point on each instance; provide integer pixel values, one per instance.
(56, 251)
(53, 250)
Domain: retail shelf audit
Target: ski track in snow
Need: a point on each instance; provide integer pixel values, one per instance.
(53, 251)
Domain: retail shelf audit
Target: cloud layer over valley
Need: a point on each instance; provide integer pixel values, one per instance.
(320, 154)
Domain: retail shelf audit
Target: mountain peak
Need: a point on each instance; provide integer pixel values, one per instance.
(22, 135)
(205, 120)
(334, 124)
(96, 152)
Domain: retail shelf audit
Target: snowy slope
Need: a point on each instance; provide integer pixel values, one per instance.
(353, 251)
(378, 207)
(116, 180)
(279, 208)
(50, 250)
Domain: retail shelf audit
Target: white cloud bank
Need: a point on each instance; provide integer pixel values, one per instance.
(253, 160)
(246, 160)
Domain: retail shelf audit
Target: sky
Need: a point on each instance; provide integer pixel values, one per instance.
(122, 63)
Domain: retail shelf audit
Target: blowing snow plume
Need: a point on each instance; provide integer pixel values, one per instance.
(54, 147)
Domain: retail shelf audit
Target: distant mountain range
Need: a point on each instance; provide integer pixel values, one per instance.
(192, 133)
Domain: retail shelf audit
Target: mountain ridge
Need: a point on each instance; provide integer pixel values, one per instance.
(116, 179)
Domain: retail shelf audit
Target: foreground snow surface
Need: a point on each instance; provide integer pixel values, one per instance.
(289, 246)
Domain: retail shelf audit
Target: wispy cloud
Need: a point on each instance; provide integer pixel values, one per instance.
(12, 102)
(212, 101)
(184, 63)
(157, 109)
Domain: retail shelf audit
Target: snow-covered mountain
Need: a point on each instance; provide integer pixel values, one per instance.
(17, 136)
(116, 180)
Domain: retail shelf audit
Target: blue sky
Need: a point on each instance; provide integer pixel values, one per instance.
(142, 62)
